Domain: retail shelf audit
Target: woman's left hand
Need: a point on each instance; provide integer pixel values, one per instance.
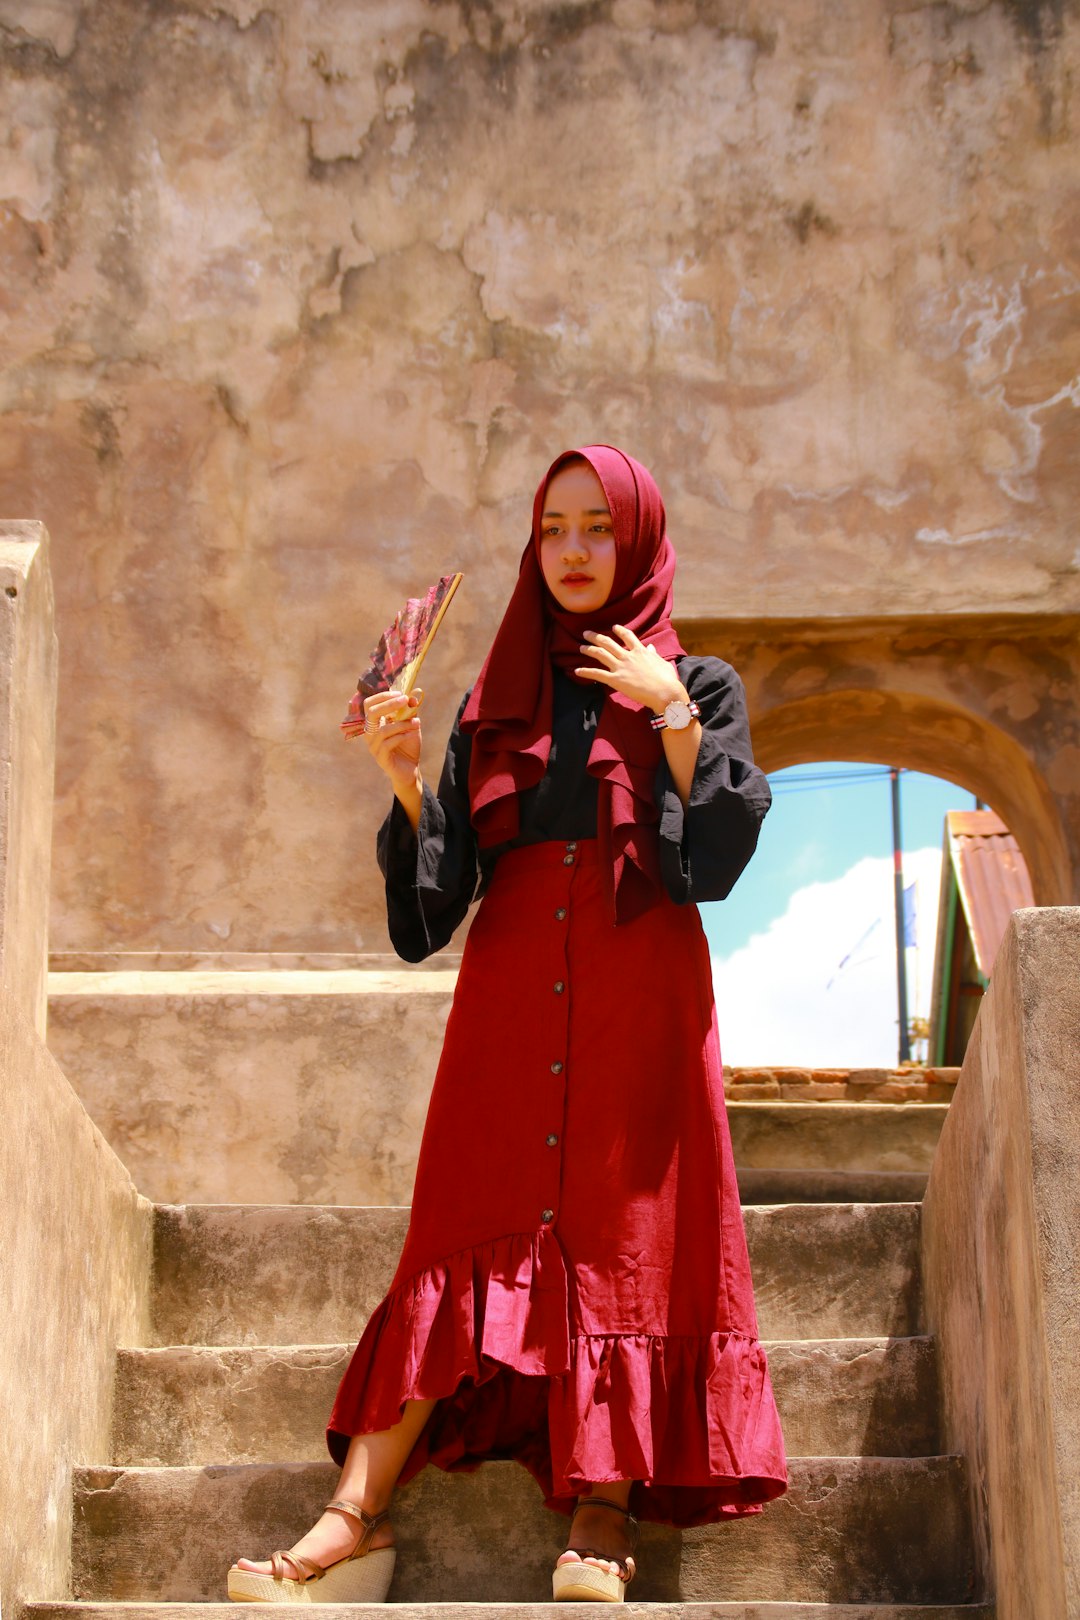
(628, 666)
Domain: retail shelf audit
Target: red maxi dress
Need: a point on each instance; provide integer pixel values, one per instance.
(574, 1289)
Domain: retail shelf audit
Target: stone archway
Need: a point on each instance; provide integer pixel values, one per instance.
(993, 706)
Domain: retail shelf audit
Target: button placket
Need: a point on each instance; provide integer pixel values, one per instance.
(557, 1065)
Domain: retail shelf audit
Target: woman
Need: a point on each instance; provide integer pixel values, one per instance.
(574, 1288)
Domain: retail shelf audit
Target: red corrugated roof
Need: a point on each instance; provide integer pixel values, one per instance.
(992, 876)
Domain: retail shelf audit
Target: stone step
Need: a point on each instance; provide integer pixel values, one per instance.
(188, 1405)
(291, 1087)
(289, 1274)
(522, 1611)
(813, 1152)
(887, 1137)
(795, 1186)
(236, 1083)
(877, 1530)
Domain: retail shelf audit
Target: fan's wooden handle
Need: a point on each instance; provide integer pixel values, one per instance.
(412, 670)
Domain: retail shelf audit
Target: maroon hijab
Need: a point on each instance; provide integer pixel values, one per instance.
(509, 712)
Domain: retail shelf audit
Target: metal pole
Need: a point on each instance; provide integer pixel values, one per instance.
(898, 902)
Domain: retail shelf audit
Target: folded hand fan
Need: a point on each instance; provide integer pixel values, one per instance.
(396, 661)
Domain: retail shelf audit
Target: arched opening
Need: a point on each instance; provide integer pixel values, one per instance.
(986, 702)
(924, 734)
(990, 702)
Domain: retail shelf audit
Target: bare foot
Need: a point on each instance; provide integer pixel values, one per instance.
(335, 1536)
(606, 1531)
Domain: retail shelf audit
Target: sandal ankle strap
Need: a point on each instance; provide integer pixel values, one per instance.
(632, 1525)
(370, 1521)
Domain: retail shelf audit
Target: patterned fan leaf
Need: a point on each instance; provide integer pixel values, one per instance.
(402, 646)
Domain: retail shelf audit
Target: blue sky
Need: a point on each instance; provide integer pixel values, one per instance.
(818, 894)
(816, 834)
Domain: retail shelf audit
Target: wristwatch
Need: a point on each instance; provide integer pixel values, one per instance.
(676, 716)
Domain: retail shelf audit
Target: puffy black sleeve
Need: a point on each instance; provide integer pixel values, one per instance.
(705, 847)
(432, 874)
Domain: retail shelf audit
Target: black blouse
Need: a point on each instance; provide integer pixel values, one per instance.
(433, 875)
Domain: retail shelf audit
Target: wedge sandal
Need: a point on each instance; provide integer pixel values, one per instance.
(361, 1577)
(584, 1583)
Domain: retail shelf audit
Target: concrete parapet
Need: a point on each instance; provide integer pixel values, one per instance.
(256, 1087)
(1001, 1257)
(28, 662)
(310, 1085)
(76, 1260)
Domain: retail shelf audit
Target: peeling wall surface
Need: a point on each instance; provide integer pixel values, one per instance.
(297, 300)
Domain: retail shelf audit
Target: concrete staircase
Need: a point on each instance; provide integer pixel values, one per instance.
(218, 1450)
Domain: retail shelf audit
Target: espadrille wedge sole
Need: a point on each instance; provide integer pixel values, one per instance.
(586, 1583)
(362, 1577)
(353, 1580)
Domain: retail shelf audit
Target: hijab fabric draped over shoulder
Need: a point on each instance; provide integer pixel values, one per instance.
(509, 712)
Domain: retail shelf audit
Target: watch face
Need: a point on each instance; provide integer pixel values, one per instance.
(677, 715)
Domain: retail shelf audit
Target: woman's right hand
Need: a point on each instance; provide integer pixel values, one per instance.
(394, 741)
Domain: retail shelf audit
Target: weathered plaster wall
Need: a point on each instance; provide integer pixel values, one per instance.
(1001, 1252)
(298, 298)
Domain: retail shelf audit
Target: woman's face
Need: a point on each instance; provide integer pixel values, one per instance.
(577, 540)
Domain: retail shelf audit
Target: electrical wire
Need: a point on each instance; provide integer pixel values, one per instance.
(815, 780)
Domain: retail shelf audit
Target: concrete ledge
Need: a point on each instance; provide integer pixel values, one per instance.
(292, 1087)
(1001, 1253)
(831, 1186)
(310, 1086)
(886, 1137)
(877, 1529)
(193, 1405)
(522, 1611)
(238, 1274)
(842, 1152)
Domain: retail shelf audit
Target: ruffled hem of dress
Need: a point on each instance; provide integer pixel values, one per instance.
(485, 1334)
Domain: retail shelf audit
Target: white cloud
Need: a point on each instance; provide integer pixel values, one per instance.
(784, 998)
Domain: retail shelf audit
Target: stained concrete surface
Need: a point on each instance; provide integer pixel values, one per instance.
(1001, 1257)
(869, 1528)
(76, 1240)
(247, 1275)
(248, 1087)
(530, 1611)
(311, 1086)
(76, 1247)
(184, 1405)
